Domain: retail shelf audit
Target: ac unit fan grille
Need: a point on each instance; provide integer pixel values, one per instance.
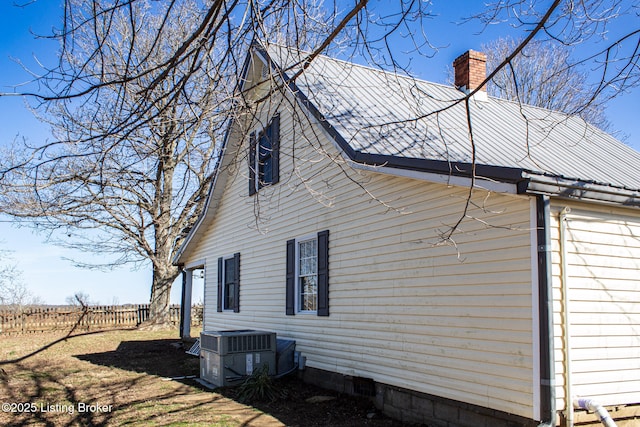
(209, 342)
(245, 343)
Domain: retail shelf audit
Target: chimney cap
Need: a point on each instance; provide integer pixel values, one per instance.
(470, 54)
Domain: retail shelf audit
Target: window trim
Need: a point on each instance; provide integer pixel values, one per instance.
(298, 282)
(292, 303)
(222, 286)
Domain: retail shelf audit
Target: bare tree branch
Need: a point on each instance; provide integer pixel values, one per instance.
(144, 92)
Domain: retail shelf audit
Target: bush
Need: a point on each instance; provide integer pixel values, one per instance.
(259, 387)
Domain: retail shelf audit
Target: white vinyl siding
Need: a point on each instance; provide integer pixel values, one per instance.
(603, 272)
(449, 317)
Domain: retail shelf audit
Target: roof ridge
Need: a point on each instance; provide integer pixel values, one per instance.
(405, 75)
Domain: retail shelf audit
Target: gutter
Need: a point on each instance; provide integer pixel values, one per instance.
(545, 315)
(578, 190)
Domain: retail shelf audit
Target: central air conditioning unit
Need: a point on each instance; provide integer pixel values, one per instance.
(228, 357)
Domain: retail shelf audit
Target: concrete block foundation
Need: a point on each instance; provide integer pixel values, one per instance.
(413, 407)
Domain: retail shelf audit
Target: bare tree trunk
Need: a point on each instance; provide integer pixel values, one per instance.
(141, 84)
(159, 315)
(164, 273)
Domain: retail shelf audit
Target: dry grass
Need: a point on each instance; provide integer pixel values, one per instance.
(110, 378)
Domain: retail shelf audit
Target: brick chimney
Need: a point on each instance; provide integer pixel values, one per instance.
(470, 70)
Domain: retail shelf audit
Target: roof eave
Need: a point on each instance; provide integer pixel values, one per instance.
(461, 169)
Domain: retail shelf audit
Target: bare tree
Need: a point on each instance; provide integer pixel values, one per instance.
(80, 298)
(126, 174)
(612, 62)
(13, 291)
(543, 75)
(137, 129)
(144, 90)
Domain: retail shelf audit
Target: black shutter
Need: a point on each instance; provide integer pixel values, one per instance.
(236, 287)
(219, 284)
(275, 149)
(291, 278)
(323, 273)
(252, 164)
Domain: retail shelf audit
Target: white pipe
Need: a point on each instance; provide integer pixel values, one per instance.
(568, 407)
(593, 406)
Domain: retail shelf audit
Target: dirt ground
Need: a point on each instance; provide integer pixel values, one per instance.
(136, 378)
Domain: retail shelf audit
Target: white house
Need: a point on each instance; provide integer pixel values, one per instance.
(484, 281)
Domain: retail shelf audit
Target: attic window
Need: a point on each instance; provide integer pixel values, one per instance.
(264, 156)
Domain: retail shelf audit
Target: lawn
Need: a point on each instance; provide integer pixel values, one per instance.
(111, 378)
(134, 378)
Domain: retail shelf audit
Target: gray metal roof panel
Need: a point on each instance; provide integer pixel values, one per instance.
(381, 113)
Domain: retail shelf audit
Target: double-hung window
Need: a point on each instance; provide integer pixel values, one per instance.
(308, 275)
(264, 156)
(229, 283)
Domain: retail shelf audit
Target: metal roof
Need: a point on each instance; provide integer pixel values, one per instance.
(381, 118)
(386, 115)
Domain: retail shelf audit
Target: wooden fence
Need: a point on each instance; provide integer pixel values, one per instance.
(41, 319)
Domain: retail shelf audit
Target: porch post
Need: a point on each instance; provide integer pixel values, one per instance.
(185, 305)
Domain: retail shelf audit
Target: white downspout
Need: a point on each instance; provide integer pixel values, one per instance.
(545, 313)
(568, 406)
(593, 406)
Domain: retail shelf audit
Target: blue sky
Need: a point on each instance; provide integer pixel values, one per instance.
(46, 272)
